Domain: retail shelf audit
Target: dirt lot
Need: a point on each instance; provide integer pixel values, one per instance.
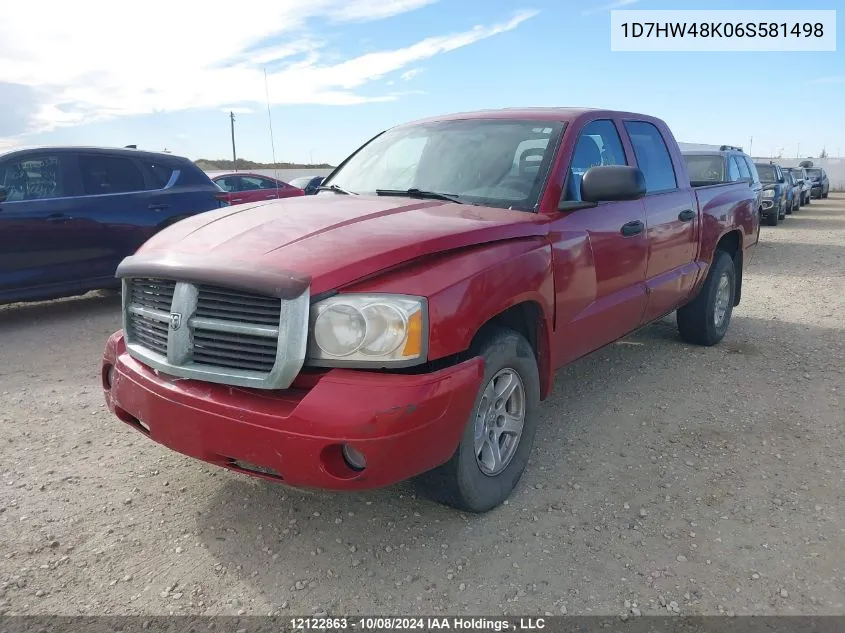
(674, 478)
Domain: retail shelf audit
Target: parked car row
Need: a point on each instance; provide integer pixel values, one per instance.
(780, 191)
(69, 215)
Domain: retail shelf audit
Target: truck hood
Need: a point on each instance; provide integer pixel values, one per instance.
(325, 241)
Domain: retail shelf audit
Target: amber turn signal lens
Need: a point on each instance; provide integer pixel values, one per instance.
(413, 343)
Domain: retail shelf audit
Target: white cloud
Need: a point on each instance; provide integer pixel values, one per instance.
(167, 56)
(410, 74)
(618, 4)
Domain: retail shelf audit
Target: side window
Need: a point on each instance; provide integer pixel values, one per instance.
(652, 156)
(32, 178)
(227, 184)
(266, 183)
(743, 167)
(598, 144)
(160, 173)
(103, 174)
(250, 183)
(733, 169)
(752, 169)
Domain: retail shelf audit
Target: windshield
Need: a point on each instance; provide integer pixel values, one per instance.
(767, 173)
(705, 168)
(493, 162)
(814, 173)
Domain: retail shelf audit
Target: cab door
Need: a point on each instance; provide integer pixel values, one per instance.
(599, 254)
(672, 219)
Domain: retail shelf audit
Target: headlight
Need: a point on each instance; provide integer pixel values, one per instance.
(372, 330)
(769, 193)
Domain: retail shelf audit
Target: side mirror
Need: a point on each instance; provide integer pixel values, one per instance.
(611, 183)
(4, 193)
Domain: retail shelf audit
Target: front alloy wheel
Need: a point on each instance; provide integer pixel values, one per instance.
(498, 437)
(499, 421)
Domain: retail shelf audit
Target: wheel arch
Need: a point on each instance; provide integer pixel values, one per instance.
(731, 243)
(527, 318)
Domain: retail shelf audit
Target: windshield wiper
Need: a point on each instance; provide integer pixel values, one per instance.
(413, 192)
(336, 189)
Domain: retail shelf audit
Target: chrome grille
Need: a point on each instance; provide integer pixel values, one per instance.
(213, 333)
(231, 305)
(156, 294)
(240, 351)
(148, 322)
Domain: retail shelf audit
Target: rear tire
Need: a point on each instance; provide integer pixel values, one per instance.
(461, 483)
(705, 319)
(789, 208)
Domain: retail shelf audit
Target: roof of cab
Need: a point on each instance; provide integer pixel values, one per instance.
(530, 114)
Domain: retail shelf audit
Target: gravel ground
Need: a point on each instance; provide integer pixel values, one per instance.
(665, 478)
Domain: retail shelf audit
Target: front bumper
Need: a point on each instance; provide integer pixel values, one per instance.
(403, 424)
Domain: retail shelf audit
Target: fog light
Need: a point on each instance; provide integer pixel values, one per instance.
(354, 458)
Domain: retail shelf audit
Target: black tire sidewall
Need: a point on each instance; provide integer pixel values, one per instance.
(505, 349)
(724, 263)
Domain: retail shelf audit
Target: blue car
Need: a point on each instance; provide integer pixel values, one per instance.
(69, 215)
(777, 192)
(309, 184)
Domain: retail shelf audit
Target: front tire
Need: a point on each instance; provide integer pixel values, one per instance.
(705, 319)
(498, 437)
(772, 219)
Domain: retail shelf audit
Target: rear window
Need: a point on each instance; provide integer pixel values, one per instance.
(705, 168)
(767, 173)
(814, 173)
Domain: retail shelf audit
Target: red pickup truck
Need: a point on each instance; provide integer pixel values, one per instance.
(407, 320)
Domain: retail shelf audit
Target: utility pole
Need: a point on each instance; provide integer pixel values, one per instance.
(311, 158)
(798, 151)
(751, 146)
(234, 154)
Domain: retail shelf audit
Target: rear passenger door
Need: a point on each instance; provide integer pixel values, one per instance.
(40, 244)
(672, 222)
(117, 208)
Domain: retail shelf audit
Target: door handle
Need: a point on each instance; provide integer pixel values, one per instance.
(632, 228)
(271, 196)
(158, 206)
(236, 200)
(686, 215)
(58, 218)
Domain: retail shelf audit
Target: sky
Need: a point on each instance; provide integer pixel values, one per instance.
(165, 74)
